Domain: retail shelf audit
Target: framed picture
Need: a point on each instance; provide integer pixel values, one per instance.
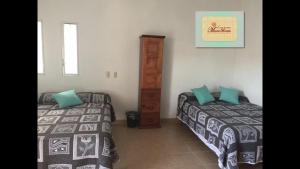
(219, 29)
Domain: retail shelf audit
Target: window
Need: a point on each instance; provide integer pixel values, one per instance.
(40, 49)
(70, 50)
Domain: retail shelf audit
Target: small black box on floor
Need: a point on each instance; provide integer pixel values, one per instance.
(132, 119)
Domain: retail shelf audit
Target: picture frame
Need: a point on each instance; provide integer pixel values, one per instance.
(219, 29)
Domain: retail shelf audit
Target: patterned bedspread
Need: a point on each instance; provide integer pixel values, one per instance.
(78, 137)
(233, 132)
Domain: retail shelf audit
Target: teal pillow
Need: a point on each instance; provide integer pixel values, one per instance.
(229, 95)
(67, 98)
(203, 95)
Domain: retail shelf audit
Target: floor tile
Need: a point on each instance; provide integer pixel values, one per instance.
(173, 146)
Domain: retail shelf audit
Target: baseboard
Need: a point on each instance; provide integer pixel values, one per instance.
(118, 122)
(161, 120)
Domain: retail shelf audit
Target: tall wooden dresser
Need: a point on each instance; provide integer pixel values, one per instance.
(151, 57)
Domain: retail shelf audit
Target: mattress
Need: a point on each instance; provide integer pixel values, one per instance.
(232, 131)
(77, 137)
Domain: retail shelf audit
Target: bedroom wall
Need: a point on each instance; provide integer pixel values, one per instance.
(108, 40)
(248, 62)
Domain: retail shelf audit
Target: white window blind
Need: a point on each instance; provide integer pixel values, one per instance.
(70, 49)
(40, 49)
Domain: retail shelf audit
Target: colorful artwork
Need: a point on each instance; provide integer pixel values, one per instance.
(219, 29)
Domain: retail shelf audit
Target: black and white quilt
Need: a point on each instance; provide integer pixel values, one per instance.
(233, 132)
(77, 137)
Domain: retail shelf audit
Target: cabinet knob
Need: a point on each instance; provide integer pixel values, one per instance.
(149, 120)
(151, 107)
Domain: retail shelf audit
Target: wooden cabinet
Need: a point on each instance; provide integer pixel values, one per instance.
(151, 57)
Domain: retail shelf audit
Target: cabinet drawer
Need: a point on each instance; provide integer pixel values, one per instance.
(150, 106)
(153, 94)
(149, 119)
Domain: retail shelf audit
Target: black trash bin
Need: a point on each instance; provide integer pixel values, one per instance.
(132, 119)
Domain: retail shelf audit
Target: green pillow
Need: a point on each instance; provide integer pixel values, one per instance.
(203, 95)
(229, 95)
(67, 98)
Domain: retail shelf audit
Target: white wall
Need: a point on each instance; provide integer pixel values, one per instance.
(248, 66)
(108, 40)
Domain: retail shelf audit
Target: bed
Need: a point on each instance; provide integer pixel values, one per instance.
(232, 132)
(78, 137)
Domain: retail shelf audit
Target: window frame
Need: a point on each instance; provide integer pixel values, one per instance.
(43, 51)
(63, 48)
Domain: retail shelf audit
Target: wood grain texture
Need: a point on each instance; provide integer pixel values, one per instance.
(151, 58)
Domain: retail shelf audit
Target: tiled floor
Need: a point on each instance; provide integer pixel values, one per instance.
(173, 146)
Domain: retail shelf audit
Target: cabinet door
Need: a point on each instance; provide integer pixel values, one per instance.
(152, 51)
(150, 101)
(149, 120)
